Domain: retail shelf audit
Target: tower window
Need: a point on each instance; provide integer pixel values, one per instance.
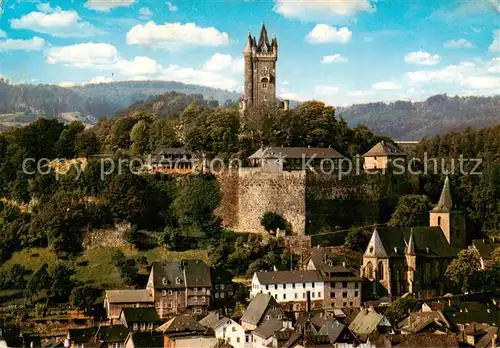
(439, 220)
(264, 85)
(265, 70)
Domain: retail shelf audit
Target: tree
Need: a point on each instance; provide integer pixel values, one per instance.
(83, 298)
(126, 267)
(197, 197)
(86, 144)
(463, 270)
(16, 278)
(356, 240)
(271, 221)
(65, 146)
(61, 282)
(399, 308)
(139, 137)
(412, 210)
(40, 280)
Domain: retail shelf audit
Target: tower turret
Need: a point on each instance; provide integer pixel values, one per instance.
(450, 220)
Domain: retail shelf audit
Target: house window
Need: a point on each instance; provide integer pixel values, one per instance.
(135, 327)
(150, 326)
(170, 292)
(195, 299)
(312, 294)
(224, 330)
(170, 305)
(344, 284)
(164, 292)
(275, 286)
(164, 281)
(304, 285)
(280, 317)
(222, 286)
(233, 329)
(284, 296)
(202, 298)
(197, 311)
(296, 295)
(195, 290)
(284, 286)
(157, 304)
(237, 340)
(319, 294)
(268, 317)
(216, 295)
(143, 326)
(177, 280)
(344, 294)
(221, 295)
(356, 293)
(293, 286)
(439, 220)
(303, 295)
(203, 289)
(230, 293)
(216, 286)
(313, 285)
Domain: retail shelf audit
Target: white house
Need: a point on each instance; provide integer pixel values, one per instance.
(290, 288)
(233, 333)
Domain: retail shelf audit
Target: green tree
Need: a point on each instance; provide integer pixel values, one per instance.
(356, 240)
(398, 309)
(464, 269)
(61, 282)
(16, 278)
(139, 137)
(65, 145)
(271, 221)
(83, 298)
(412, 210)
(86, 144)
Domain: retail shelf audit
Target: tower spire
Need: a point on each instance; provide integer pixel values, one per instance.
(410, 249)
(375, 247)
(263, 40)
(445, 204)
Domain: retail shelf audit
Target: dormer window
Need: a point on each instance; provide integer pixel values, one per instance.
(177, 280)
(164, 281)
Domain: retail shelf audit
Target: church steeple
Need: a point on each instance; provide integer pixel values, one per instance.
(375, 247)
(410, 249)
(445, 204)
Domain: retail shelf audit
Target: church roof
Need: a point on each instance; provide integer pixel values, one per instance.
(428, 242)
(376, 247)
(445, 204)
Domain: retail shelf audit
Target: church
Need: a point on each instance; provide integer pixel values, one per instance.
(414, 260)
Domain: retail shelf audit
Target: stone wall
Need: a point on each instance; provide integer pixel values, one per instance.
(310, 202)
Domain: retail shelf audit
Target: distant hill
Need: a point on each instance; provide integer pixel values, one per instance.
(24, 102)
(438, 114)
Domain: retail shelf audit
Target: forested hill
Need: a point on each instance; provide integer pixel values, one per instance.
(438, 114)
(24, 102)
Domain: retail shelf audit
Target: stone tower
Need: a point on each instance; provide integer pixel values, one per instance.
(451, 222)
(260, 69)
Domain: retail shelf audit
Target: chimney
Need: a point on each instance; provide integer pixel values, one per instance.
(308, 301)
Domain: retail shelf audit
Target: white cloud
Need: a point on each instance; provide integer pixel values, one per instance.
(326, 90)
(55, 22)
(386, 86)
(322, 9)
(494, 66)
(145, 13)
(103, 56)
(220, 62)
(99, 79)
(107, 5)
(360, 93)
(422, 58)
(457, 44)
(172, 36)
(67, 84)
(323, 33)
(171, 7)
(495, 45)
(475, 78)
(334, 58)
(45, 7)
(291, 96)
(34, 44)
(2, 34)
(86, 55)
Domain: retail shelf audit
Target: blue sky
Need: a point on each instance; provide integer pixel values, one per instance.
(339, 51)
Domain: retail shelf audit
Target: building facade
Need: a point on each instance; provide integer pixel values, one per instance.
(260, 59)
(291, 288)
(414, 260)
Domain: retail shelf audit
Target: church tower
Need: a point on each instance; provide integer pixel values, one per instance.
(451, 222)
(260, 59)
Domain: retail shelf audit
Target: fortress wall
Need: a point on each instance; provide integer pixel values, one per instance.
(228, 208)
(280, 192)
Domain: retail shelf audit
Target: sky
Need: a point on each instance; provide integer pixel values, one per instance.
(339, 51)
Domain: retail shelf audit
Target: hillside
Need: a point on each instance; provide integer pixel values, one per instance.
(412, 121)
(22, 103)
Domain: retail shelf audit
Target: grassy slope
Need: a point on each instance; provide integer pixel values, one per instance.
(95, 267)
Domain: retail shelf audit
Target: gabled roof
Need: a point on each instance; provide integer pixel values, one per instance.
(181, 274)
(366, 322)
(419, 321)
(257, 307)
(428, 242)
(375, 247)
(274, 152)
(268, 328)
(147, 315)
(287, 277)
(147, 339)
(384, 148)
(211, 319)
(287, 338)
(182, 323)
(110, 334)
(445, 204)
(129, 296)
(332, 329)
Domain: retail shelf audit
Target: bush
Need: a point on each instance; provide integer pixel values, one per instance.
(271, 221)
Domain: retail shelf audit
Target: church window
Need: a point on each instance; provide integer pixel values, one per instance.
(369, 270)
(380, 270)
(439, 220)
